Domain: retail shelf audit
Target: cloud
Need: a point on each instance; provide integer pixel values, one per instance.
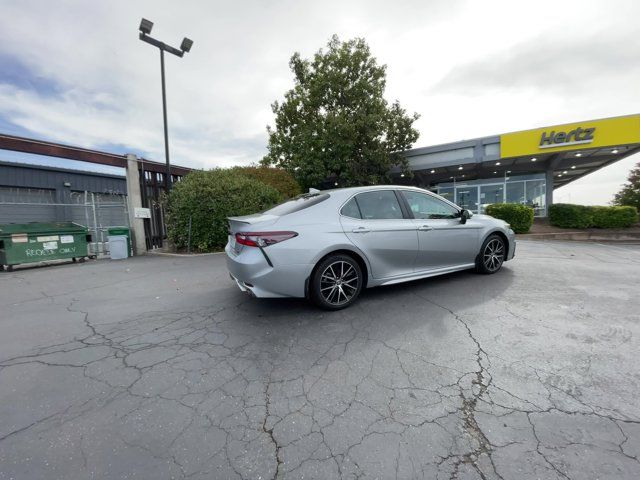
(104, 84)
(75, 71)
(559, 65)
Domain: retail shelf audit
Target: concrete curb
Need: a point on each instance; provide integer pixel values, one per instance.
(169, 254)
(578, 236)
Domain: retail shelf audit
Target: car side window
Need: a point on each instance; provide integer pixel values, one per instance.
(351, 209)
(426, 206)
(379, 205)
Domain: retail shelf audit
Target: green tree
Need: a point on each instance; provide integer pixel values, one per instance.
(277, 178)
(630, 193)
(335, 122)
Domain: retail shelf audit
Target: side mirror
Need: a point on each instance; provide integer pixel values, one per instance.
(465, 215)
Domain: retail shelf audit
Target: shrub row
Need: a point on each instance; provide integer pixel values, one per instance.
(567, 215)
(520, 217)
(208, 198)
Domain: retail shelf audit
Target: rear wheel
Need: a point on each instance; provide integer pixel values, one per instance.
(492, 255)
(336, 282)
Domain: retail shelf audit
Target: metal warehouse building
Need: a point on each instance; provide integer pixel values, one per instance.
(521, 167)
(31, 192)
(34, 193)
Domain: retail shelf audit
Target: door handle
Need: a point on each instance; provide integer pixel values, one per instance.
(361, 230)
(425, 228)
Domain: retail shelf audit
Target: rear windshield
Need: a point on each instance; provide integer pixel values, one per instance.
(298, 203)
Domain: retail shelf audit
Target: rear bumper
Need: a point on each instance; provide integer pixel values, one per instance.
(253, 274)
(242, 286)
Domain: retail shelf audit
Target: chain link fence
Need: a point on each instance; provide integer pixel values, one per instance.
(96, 211)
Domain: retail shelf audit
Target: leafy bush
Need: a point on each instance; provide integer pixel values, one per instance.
(614, 217)
(520, 217)
(566, 215)
(209, 197)
(277, 178)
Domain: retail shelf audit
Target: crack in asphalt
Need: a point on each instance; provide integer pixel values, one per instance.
(480, 383)
(227, 392)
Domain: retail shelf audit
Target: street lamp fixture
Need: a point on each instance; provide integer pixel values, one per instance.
(186, 44)
(146, 26)
(145, 30)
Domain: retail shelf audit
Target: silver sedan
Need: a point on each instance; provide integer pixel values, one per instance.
(329, 245)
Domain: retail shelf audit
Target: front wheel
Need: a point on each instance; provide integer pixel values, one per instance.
(336, 282)
(492, 255)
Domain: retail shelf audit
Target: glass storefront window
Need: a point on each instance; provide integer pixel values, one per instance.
(475, 195)
(447, 193)
(515, 192)
(490, 194)
(467, 197)
(536, 196)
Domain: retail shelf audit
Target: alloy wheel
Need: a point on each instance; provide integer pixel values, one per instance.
(493, 255)
(339, 283)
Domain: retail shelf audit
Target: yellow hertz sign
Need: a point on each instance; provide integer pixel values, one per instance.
(608, 132)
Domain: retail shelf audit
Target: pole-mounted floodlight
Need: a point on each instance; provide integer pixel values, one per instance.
(145, 29)
(146, 26)
(186, 44)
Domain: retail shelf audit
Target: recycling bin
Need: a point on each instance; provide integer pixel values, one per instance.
(121, 231)
(22, 243)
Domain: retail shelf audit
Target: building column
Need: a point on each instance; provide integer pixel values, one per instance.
(134, 200)
(552, 164)
(548, 190)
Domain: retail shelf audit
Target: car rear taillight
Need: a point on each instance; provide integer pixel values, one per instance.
(263, 239)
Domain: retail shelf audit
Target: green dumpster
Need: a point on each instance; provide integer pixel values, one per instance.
(115, 231)
(37, 242)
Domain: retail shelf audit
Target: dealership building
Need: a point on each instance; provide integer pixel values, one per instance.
(521, 167)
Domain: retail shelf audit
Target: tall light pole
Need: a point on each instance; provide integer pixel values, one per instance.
(185, 46)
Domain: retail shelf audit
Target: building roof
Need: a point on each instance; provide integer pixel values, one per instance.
(569, 150)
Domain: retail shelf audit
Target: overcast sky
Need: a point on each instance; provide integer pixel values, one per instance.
(75, 72)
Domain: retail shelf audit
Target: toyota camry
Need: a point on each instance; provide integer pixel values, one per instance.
(329, 245)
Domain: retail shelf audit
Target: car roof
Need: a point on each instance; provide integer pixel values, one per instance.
(351, 190)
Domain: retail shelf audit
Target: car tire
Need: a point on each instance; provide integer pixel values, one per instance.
(492, 255)
(336, 282)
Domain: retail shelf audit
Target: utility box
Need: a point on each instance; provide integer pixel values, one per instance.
(37, 242)
(121, 231)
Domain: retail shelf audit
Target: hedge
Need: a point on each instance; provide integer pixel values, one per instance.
(566, 215)
(277, 178)
(520, 217)
(209, 197)
(614, 217)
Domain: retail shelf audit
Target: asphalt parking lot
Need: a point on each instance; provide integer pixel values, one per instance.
(158, 367)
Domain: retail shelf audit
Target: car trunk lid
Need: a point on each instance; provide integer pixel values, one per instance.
(248, 223)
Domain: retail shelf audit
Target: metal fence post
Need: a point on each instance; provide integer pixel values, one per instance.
(189, 238)
(95, 222)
